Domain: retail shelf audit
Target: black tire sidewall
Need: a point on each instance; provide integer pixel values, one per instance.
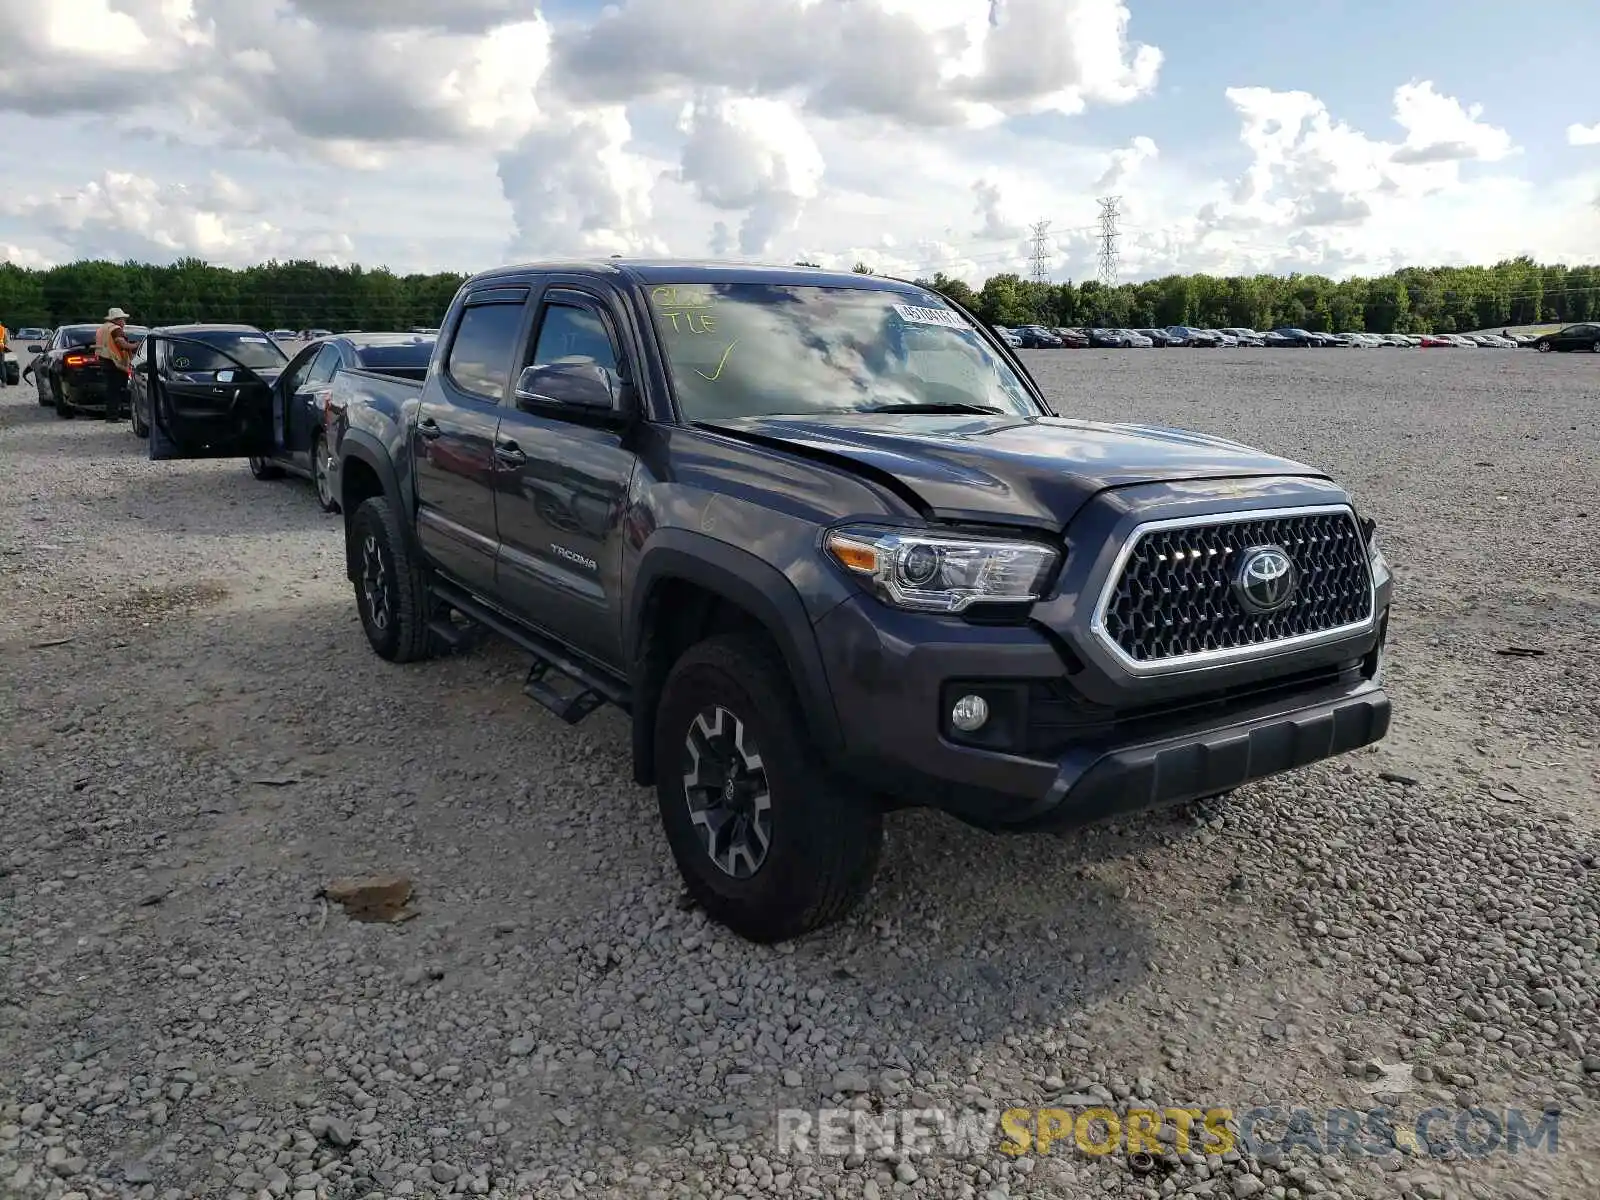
(408, 638)
(369, 523)
(813, 818)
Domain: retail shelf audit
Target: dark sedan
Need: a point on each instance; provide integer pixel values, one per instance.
(68, 375)
(307, 423)
(1037, 337)
(1290, 335)
(1573, 337)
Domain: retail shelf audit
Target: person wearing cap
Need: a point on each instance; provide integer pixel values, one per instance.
(115, 349)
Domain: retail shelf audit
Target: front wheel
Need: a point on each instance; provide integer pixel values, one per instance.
(768, 841)
(264, 468)
(1544, 347)
(391, 588)
(322, 474)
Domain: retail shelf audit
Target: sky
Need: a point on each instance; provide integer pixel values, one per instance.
(1345, 138)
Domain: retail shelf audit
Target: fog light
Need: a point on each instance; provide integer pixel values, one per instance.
(969, 713)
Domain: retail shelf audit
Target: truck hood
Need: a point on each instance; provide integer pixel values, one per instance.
(1040, 470)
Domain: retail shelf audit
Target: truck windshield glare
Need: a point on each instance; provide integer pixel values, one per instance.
(748, 349)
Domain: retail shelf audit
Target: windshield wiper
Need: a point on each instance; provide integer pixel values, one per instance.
(931, 407)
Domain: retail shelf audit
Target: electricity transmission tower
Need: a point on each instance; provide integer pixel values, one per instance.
(1039, 260)
(1110, 207)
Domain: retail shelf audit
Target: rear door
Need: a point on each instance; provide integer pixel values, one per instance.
(452, 451)
(222, 417)
(561, 483)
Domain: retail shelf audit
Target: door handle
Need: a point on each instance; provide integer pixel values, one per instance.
(429, 428)
(510, 453)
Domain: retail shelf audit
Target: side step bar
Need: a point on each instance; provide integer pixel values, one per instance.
(588, 689)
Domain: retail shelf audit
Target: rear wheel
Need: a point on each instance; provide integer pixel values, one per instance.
(391, 588)
(64, 408)
(264, 468)
(768, 841)
(140, 429)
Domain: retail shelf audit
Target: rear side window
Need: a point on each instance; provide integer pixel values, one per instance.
(404, 357)
(484, 345)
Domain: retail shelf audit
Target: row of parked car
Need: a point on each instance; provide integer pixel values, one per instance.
(1040, 337)
(204, 366)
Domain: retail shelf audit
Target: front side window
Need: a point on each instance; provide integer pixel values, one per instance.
(570, 333)
(327, 363)
(750, 349)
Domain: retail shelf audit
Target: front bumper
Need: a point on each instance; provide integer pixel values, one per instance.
(893, 676)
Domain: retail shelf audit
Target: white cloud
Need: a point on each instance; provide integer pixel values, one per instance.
(1583, 135)
(1124, 164)
(754, 156)
(911, 135)
(122, 214)
(918, 62)
(1442, 129)
(576, 189)
(994, 223)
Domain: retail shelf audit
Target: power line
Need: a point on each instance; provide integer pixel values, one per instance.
(1110, 210)
(1039, 260)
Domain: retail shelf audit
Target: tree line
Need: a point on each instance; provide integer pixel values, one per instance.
(1412, 300)
(273, 295)
(310, 295)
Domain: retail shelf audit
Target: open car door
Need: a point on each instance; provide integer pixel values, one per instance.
(217, 413)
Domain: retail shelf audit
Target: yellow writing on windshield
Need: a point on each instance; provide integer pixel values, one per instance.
(687, 310)
(691, 322)
(680, 298)
(721, 362)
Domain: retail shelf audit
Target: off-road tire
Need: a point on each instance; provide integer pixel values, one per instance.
(825, 836)
(402, 635)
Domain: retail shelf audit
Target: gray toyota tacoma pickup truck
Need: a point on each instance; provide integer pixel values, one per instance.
(827, 542)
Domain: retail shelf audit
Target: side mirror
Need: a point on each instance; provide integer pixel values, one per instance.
(582, 385)
(36, 348)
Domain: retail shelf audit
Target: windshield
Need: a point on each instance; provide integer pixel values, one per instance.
(750, 349)
(194, 354)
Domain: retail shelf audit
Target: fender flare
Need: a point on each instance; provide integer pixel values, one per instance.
(758, 588)
(359, 446)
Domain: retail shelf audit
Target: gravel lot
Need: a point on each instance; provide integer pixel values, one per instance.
(197, 740)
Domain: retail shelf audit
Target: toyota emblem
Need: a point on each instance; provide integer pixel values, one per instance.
(1265, 580)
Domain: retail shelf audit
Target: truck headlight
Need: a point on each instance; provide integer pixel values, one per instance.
(945, 573)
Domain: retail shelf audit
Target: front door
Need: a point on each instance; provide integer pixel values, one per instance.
(453, 451)
(227, 416)
(561, 483)
(302, 404)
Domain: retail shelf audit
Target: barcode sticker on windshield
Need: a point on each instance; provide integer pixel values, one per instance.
(913, 315)
(259, 341)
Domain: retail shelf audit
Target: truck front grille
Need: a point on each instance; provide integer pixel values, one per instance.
(1174, 599)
